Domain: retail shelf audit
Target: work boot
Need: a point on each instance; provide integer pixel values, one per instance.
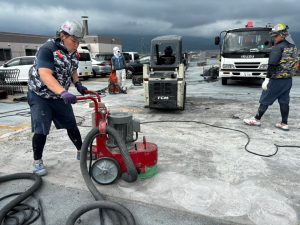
(39, 168)
(282, 126)
(252, 122)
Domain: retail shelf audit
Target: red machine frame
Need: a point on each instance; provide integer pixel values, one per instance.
(143, 154)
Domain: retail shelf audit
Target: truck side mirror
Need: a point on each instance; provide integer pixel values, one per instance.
(217, 40)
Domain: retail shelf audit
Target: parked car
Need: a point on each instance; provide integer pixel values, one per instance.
(101, 68)
(85, 69)
(136, 68)
(104, 57)
(133, 56)
(23, 63)
(145, 59)
(132, 63)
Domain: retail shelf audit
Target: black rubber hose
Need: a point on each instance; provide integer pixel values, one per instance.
(132, 173)
(101, 205)
(86, 145)
(86, 176)
(37, 183)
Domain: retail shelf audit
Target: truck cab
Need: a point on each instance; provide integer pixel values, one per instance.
(244, 52)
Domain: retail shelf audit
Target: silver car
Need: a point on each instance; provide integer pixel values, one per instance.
(101, 68)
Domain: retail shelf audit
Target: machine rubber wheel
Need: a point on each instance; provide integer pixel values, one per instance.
(224, 81)
(105, 170)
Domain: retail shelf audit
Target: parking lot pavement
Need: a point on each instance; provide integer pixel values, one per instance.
(205, 175)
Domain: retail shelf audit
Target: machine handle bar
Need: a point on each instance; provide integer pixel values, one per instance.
(96, 99)
(90, 97)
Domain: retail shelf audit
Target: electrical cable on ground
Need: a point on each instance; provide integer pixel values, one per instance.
(102, 92)
(226, 128)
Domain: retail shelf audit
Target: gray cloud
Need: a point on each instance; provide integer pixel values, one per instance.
(201, 18)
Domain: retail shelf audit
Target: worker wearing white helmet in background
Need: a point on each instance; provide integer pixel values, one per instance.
(278, 82)
(119, 65)
(54, 70)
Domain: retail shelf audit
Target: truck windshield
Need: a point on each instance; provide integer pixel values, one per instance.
(247, 41)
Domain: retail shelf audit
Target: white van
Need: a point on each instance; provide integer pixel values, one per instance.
(85, 68)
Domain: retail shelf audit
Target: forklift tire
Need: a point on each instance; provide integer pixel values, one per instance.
(184, 98)
(224, 81)
(105, 170)
(3, 94)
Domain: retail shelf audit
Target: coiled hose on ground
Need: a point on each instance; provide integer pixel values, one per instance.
(110, 207)
(22, 196)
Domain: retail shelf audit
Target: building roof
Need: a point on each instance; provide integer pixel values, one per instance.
(102, 39)
(22, 38)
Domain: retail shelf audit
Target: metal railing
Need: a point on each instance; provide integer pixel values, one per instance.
(9, 81)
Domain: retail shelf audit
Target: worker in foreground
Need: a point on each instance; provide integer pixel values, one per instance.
(54, 70)
(278, 82)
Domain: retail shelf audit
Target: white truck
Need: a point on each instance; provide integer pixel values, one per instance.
(244, 52)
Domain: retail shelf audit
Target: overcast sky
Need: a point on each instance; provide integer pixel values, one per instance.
(201, 18)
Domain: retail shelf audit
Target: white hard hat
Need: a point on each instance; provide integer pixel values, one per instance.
(73, 28)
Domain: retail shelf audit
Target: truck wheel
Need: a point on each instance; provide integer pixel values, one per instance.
(94, 74)
(224, 81)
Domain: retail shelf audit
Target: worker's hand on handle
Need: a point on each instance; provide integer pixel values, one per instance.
(68, 97)
(80, 88)
(264, 85)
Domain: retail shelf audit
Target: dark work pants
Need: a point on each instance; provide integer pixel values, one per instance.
(261, 111)
(284, 110)
(39, 141)
(278, 89)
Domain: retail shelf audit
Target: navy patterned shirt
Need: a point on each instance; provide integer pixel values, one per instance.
(52, 55)
(282, 61)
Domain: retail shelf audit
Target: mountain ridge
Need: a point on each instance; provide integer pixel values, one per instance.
(141, 43)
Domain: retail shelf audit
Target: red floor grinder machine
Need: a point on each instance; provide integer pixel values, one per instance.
(112, 149)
